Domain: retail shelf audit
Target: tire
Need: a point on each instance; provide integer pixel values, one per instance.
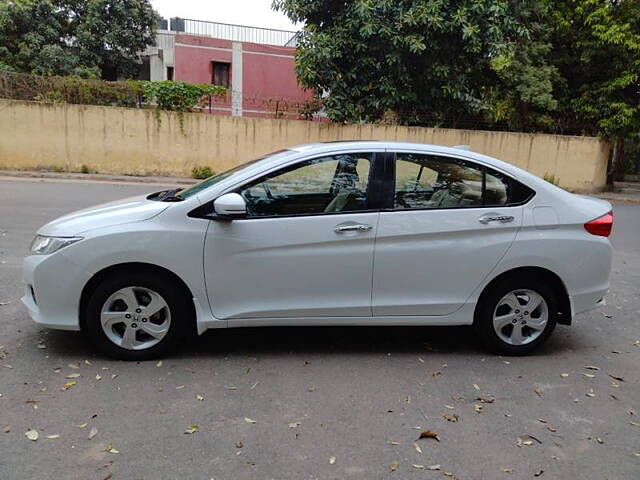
(136, 315)
(518, 329)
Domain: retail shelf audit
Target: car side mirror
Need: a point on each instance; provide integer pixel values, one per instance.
(230, 206)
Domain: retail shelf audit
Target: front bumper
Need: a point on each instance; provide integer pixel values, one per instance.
(54, 284)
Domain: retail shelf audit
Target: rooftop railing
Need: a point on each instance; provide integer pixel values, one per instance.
(236, 33)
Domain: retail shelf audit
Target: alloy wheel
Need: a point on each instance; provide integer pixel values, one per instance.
(135, 318)
(520, 317)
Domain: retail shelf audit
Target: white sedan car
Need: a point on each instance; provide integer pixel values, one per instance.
(345, 233)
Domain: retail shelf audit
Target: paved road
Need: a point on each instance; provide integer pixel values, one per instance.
(359, 395)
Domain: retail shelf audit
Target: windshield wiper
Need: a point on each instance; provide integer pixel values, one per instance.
(166, 196)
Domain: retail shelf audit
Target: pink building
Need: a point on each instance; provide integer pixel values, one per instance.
(255, 64)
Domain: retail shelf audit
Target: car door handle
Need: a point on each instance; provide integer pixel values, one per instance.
(495, 218)
(360, 227)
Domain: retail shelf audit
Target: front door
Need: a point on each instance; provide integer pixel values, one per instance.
(450, 223)
(305, 248)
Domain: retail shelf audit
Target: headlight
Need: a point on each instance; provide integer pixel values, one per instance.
(42, 245)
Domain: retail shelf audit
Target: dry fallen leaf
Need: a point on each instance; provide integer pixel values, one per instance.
(450, 417)
(506, 469)
(419, 467)
(98, 376)
(588, 375)
(111, 449)
(486, 399)
(393, 466)
(538, 473)
(635, 424)
(429, 434)
(616, 377)
(539, 392)
(475, 385)
(294, 425)
(433, 467)
(53, 437)
(249, 420)
(332, 460)
(477, 407)
(75, 366)
(565, 375)
(82, 425)
(199, 397)
(192, 429)
(417, 447)
(159, 364)
(179, 387)
(592, 367)
(73, 375)
(528, 442)
(68, 385)
(93, 432)
(31, 435)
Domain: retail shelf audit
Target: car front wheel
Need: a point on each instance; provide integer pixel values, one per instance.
(135, 316)
(516, 316)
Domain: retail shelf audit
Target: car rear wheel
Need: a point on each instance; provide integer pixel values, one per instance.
(136, 316)
(516, 316)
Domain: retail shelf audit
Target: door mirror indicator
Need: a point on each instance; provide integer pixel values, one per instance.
(229, 206)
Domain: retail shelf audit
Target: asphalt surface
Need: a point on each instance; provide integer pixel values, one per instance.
(328, 403)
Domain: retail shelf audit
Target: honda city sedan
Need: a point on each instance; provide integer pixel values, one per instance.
(345, 233)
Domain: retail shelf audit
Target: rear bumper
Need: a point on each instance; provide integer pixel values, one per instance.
(585, 302)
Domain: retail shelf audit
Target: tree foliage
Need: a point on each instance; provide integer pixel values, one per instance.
(87, 38)
(412, 57)
(564, 66)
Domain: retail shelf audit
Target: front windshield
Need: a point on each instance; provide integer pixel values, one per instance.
(188, 192)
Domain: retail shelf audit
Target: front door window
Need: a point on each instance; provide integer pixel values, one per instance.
(331, 184)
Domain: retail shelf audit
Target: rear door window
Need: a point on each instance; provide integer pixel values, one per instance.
(434, 182)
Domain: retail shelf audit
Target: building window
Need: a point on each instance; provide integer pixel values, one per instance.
(169, 73)
(220, 73)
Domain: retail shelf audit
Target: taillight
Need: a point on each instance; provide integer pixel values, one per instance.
(600, 226)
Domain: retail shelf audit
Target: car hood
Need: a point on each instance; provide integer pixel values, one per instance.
(128, 210)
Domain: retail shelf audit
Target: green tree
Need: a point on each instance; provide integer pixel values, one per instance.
(597, 52)
(88, 38)
(414, 58)
(522, 83)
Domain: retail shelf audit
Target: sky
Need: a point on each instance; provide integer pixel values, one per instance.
(254, 13)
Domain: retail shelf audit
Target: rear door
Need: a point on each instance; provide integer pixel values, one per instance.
(448, 224)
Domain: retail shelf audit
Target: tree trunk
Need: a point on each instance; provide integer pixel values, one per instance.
(615, 169)
(618, 166)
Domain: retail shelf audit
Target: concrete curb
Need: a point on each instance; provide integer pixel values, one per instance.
(97, 177)
(621, 199)
(104, 178)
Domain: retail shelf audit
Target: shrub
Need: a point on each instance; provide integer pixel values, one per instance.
(179, 97)
(201, 172)
(551, 179)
